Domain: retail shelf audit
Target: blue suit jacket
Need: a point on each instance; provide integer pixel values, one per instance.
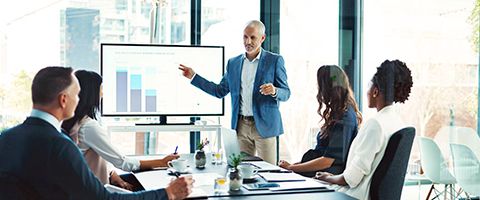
(51, 165)
(271, 69)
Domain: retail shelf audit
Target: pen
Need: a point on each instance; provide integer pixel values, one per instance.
(177, 174)
(176, 148)
(279, 171)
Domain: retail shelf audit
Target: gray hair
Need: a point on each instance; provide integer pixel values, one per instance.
(257, 24)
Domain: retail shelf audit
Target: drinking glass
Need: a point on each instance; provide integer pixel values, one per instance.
(218, 157)
(220, 185)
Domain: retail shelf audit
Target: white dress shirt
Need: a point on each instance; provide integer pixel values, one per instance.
(93, 136)
(367, 151)
(249, 71)
(47, 117)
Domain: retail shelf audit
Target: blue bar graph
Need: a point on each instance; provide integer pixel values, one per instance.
(151, 100)
(135, 93)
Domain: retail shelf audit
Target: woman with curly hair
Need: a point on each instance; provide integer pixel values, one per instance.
(391, 84)
(340, 116)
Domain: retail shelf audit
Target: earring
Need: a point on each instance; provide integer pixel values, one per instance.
(374, 96)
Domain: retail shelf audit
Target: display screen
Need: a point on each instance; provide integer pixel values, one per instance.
(144, 80)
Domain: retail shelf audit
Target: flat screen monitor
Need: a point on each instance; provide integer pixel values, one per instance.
(144, 80)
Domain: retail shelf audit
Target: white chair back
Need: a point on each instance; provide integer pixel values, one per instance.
(466, 136)
(467, 168)
(434, 165)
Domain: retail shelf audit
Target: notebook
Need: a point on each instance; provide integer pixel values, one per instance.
(112, 188)
(308, 184)
(263, 166)
(281, 177)
(152, 180)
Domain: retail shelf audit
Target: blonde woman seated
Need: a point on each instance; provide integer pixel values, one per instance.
(93, 140)
(391, 84)
(341, 117)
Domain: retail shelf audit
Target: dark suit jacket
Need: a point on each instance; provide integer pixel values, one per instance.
(51, 165)
(271, 69)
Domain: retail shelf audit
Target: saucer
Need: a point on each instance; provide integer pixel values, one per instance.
(171, 171)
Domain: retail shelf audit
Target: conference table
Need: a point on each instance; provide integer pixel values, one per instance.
(243, 193)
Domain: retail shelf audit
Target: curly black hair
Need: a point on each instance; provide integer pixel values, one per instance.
(394, 80)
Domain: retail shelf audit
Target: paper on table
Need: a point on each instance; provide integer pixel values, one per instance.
(280, 177)
(299, 185)
(204, 179)
(152, 180)
(197, 192)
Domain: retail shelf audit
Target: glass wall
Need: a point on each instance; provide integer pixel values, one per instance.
(436, 41)
(308, 40)
(70, 34)
(223, 22)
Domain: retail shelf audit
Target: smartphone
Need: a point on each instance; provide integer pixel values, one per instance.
(267, 185)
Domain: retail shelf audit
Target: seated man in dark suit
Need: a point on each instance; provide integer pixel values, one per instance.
(47, 161)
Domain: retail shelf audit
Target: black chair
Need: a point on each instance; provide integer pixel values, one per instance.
(388, 178)
(11, 187)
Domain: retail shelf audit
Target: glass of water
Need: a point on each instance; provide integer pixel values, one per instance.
(218, 157)
(220, 185)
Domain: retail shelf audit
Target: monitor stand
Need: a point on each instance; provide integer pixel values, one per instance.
(162, 121)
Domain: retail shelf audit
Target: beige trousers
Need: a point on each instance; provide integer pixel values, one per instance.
(250, 140)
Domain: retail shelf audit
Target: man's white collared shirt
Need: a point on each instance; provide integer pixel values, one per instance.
(47, 117)
(249, 70)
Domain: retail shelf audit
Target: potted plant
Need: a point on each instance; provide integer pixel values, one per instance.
(200, 158)
(234, 174)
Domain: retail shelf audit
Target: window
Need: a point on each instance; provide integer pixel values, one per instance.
(25, 49)
(173, 24)
(308, 40)
(71, 38)
(435, 40)
(222, 25)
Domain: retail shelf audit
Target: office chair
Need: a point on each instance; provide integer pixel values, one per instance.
(466, 136)
(11, 187)
(436, 169)
(388, 178)
(467, 169)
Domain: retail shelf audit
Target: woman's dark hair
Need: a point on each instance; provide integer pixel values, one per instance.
(394, 80)
(89, 103)
(335, 93)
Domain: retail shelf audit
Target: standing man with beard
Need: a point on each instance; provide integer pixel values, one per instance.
(257, 82)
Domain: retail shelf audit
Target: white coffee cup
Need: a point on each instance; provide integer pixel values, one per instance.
(180, 165)
(247, 171)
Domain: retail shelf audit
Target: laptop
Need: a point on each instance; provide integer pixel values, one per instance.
(230, 143)
(231, 146)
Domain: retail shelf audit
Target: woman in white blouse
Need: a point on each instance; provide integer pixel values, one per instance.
(93, 140)
(391, 84)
